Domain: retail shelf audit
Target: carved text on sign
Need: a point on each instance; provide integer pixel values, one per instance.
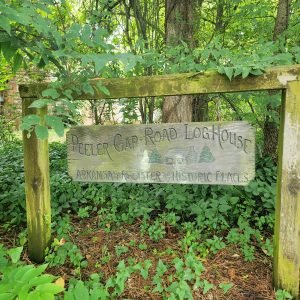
(200, 153)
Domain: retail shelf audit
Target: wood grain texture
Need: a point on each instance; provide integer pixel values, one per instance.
(199, 153)
(37, 188)
(181, 84)
(287, 218)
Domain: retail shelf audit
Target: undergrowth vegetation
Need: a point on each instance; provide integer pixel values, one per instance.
(207, 218)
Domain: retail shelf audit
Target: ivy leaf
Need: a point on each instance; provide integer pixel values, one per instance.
(4, 23)
(41, 132)
(229, 72)
(56, 123)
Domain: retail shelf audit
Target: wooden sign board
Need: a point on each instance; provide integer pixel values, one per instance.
(197, 153)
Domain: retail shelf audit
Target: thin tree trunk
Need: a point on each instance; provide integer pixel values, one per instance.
(270, 127)
(180, 24)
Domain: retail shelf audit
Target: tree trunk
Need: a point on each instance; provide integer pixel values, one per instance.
(200, 108)
(270, 127)
(179, 25)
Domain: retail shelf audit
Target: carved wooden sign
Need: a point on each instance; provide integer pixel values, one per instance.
(197, 153)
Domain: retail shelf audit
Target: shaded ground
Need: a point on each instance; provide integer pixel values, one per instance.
(251, 280)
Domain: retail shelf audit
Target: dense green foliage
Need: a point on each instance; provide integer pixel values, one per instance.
(201, 212)
(208, 217)
(115, 39)
(20, 281)
(72, 43)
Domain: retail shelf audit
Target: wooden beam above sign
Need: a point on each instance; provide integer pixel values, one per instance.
(197, 153)
(179, 84)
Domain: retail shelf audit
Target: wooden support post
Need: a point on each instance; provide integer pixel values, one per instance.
(37, 188)
(287, 216)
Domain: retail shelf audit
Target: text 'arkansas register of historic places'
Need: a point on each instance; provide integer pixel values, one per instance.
(197, 153)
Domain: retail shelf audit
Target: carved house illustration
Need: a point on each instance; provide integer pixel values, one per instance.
(183, 156)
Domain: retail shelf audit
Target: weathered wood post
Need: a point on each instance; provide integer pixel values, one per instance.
(287, 218)
(37, 188)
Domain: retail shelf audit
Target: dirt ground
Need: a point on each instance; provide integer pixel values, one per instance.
(251, 280)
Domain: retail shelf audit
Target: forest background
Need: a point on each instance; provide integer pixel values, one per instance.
(71, 42)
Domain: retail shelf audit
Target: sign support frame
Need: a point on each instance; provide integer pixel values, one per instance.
(286, 262)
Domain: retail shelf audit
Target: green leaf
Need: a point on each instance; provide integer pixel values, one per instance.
(41, 132)
(56, 123)
(4, 37)
(225, 286)
(17, 63)
(88, 89)
(245, 72)
(50, 93)
(229, 72)
(8, 50)
(220, 70)
(4, 23)
(238, 71)
(7, 296)
(45, 278)
(207, 286)
(41, 103)
(80, 291)
(103, 89)
(161, 268)
(47, 296)
(15, 254)
(100, 61)
(50, 288)
(29, 121)
(68, 94)
(33, 273)
(256, 72)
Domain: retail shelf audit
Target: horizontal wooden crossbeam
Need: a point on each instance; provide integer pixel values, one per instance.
(180, 84)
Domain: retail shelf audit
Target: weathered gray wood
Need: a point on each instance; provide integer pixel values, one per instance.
(199, 153)
(181, 84)
(287, 218)
(37, 188)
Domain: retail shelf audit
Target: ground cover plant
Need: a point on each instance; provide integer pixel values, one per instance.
(116, 241)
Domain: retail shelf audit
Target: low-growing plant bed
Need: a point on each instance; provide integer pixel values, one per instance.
(151, 241)
(129, 265)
